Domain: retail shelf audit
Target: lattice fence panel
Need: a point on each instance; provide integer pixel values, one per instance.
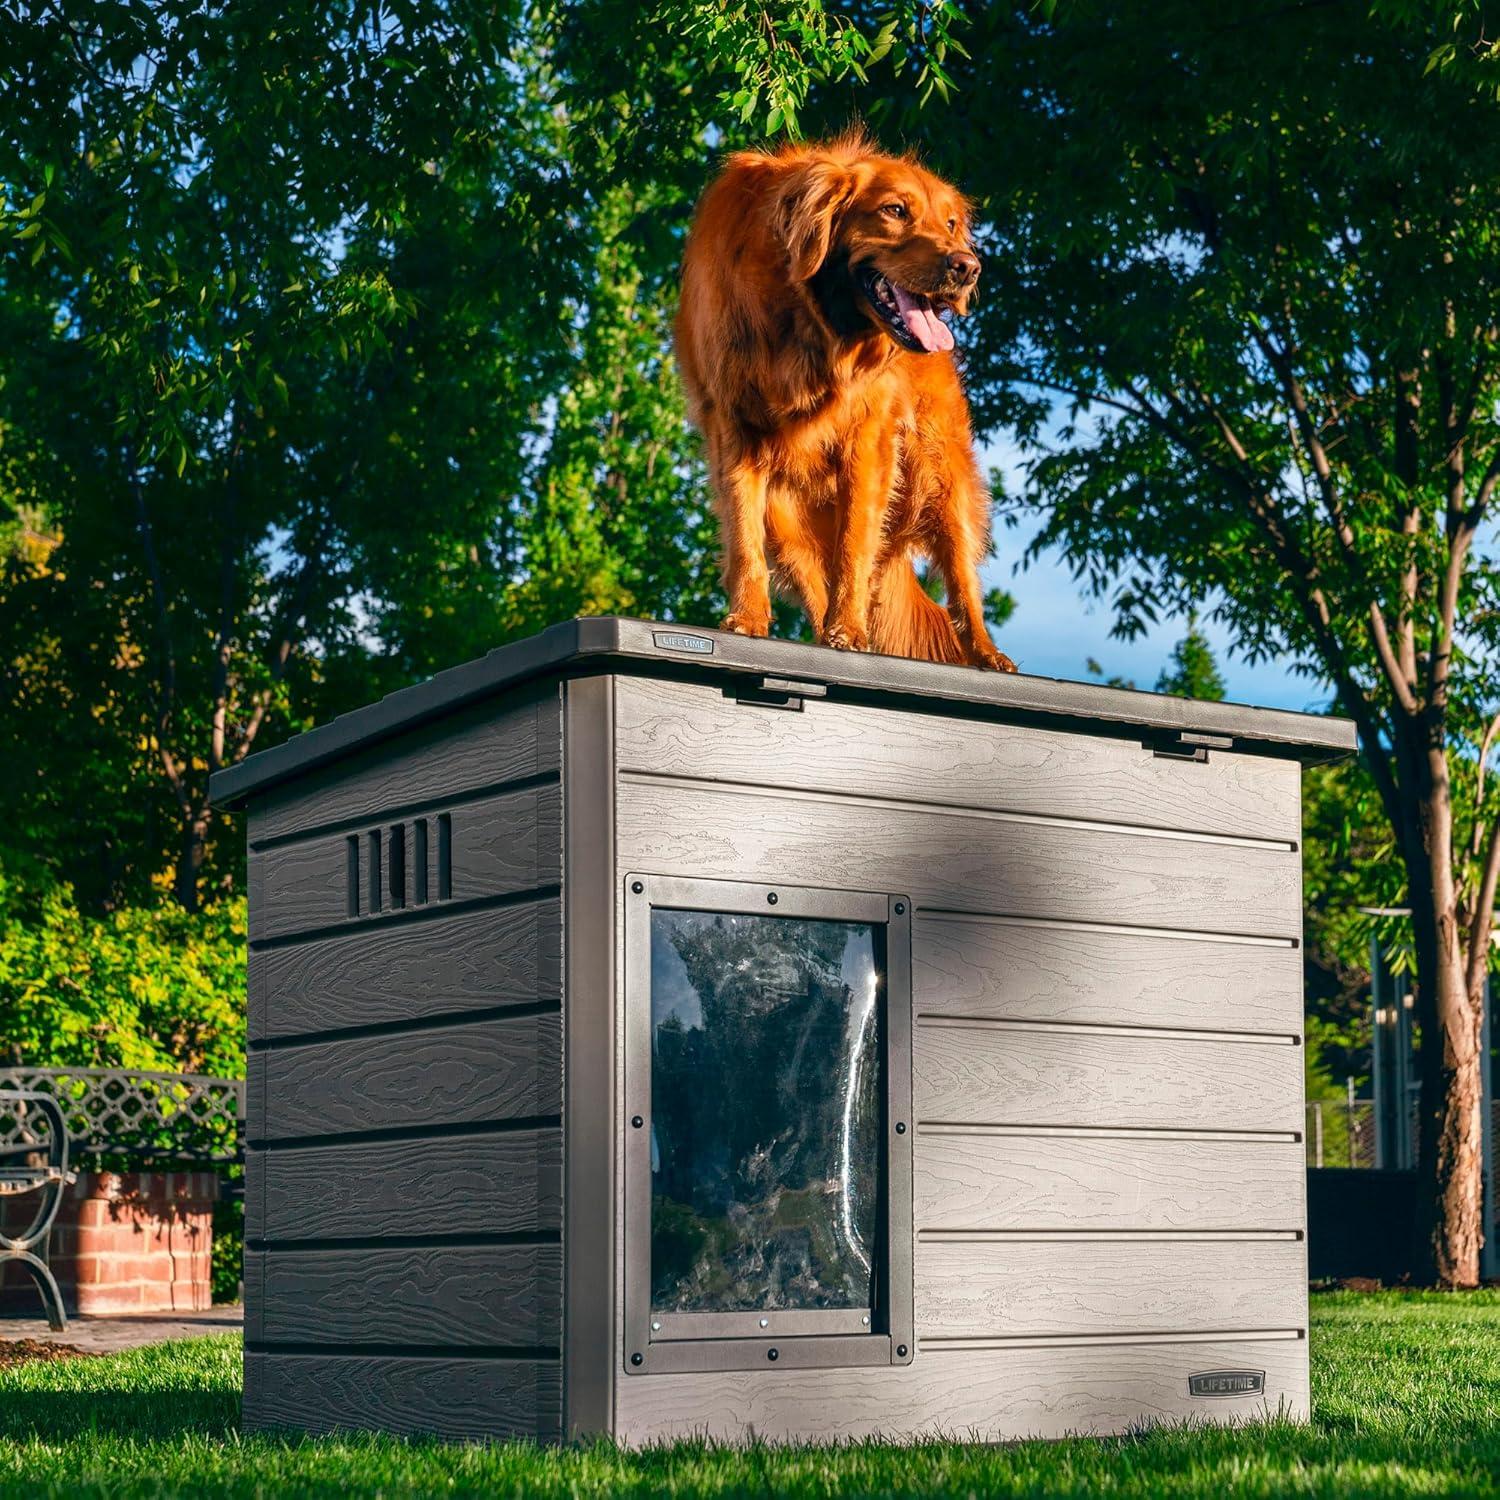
(133, 1117)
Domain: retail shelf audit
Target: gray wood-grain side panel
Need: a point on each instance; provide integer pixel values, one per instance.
(1011, 1076)
(502, 1069)
(689, 729)
(1019, 971)
(500, 845)
(494, 1296)
(450, 1397)
(1018, 1182)
(255, 1186)
(992, 1395)
(959, 862)
(1036, 1288)
(408, 971)
(503, 1183)
(483, 746)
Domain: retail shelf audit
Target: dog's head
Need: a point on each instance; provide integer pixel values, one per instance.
(881, 244)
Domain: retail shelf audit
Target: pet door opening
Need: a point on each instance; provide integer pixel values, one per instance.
(761, 1192)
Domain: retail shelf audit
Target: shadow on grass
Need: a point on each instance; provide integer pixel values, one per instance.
(54, 1415)
(127, 1444)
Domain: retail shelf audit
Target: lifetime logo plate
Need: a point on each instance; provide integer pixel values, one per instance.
(1227, 1383)
(675, 640)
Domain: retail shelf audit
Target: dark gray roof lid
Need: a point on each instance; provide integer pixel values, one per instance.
(651, 648)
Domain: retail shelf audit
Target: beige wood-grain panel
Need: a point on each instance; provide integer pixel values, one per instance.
(1124, 1182)
(1043, 1289)
(992, 1395)
(1022, 971)
(959, 862)
(689, 729)
(1007, 1075)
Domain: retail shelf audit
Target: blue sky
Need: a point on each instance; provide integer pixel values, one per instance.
(1056, 628)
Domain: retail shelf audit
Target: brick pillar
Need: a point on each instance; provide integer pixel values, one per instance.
(123, 1242)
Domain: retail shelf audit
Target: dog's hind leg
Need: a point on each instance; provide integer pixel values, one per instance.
(958, 548)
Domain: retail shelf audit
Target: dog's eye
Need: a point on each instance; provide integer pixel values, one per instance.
(895, 210)
(952, 225)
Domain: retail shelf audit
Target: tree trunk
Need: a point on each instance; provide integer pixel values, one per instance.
(1449, 1128)
(190, 857)
(1448, 1018)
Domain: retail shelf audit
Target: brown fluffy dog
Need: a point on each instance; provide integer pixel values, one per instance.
(823, 380)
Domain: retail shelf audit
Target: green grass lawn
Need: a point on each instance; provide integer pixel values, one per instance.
(1406, 1398)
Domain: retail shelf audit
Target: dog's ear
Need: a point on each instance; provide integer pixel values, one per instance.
(808, 205)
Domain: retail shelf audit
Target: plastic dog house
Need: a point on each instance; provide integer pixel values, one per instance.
(657, 1032)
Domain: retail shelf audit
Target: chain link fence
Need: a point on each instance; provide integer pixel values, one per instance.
(1340, 1133)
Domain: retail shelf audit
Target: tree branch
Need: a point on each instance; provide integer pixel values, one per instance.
(166, 686)
(174, 775)
(1297, 566)
(1402, 681)
(1484, 494)
(1482, 920)
(285, 635)
(1480, 767)
(229, 545)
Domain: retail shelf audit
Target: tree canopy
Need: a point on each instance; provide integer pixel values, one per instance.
(337, 349)
(317, 362)
(1192, 671)
(1246, 314)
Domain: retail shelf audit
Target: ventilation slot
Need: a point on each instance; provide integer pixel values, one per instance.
(445, 857)
(351, 875)
(390, 869)
(376, 905)
(397, 857)
(419, 861)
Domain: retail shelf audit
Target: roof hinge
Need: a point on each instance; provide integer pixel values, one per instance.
(777, 692)
(1185, 744)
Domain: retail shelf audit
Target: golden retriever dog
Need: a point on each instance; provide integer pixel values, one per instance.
(819, 367)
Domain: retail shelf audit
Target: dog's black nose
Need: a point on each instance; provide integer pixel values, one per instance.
(964, 266)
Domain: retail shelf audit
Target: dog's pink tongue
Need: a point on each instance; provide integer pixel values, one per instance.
(925, 326)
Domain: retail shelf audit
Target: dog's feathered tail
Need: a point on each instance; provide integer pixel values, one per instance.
(907, 621)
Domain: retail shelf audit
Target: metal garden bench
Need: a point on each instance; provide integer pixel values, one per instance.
(22, 1170)
(108, 1119)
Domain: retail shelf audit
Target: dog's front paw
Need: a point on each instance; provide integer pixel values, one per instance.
(846, 638)
(992, 660)
(742, 622)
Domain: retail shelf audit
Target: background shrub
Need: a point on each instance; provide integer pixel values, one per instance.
(143, 987)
